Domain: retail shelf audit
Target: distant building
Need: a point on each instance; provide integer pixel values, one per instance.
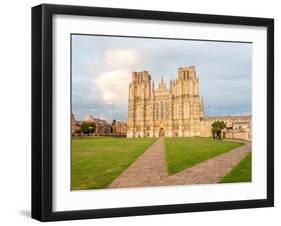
(102, 127)
(75, 125)
(237, 127)
(90, 119)
(119, 128)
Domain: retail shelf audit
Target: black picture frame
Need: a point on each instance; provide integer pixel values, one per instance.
(42, 111)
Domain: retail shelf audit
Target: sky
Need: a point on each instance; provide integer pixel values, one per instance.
(102, 70)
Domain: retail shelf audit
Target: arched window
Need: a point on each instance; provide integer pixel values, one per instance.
(161, 110)
(166, 111)
(156, 111)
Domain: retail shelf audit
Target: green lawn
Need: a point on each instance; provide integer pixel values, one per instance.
(182, 153)
(240, 173)
(97, 161)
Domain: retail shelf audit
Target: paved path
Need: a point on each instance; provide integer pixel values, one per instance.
(212, 170)
(151, 168)
(147, 170)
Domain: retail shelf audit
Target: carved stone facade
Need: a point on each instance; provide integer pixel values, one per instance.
(170, 111)
(165, 111)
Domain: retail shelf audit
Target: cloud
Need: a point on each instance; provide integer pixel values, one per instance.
(113, 86)
(102, 69)
(121, 57)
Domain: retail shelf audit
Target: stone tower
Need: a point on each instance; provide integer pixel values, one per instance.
(165, 111)
(139, 100)
(187, 105)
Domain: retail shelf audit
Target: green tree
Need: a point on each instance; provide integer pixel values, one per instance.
(113, 126)
(92, 127)
(217, 127)
(85, 128)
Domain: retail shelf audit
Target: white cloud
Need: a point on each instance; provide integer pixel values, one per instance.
(113, 86)
(121, 57)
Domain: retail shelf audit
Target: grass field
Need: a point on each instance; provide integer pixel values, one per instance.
(182, 153)
(240, 173)
(97, 161)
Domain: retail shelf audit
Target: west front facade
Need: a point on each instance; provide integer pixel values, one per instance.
(174, 110)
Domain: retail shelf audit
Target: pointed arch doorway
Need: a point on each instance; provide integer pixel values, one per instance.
(161, 132)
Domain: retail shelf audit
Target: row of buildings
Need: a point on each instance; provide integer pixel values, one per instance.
(176, 110)
(98, 126)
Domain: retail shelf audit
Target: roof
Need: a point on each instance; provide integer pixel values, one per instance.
(234, 117)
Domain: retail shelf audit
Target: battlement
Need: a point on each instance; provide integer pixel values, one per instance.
(189, 68)
(141, 76)
(186, 73)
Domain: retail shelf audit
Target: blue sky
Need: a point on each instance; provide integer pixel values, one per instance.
(102, 66)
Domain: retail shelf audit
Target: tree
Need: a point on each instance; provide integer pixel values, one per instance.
(92, 127)
(113, 126)
(217, 127)
(85, 128)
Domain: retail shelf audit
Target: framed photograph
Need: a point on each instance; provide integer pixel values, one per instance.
(140, 112)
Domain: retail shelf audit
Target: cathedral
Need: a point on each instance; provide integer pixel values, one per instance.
(176, 110)
(173, 110)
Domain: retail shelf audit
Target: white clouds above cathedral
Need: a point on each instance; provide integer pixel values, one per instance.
(102, 66)
(113, 86)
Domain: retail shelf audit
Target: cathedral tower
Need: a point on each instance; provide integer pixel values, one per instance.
(139, 96)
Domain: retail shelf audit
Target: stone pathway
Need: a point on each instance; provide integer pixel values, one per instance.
(151, 168)
(212, 170)
(148, 170)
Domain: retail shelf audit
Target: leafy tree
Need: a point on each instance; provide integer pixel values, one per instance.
(217, 127)
(85, 128)
(113, 126)
(92, 127)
